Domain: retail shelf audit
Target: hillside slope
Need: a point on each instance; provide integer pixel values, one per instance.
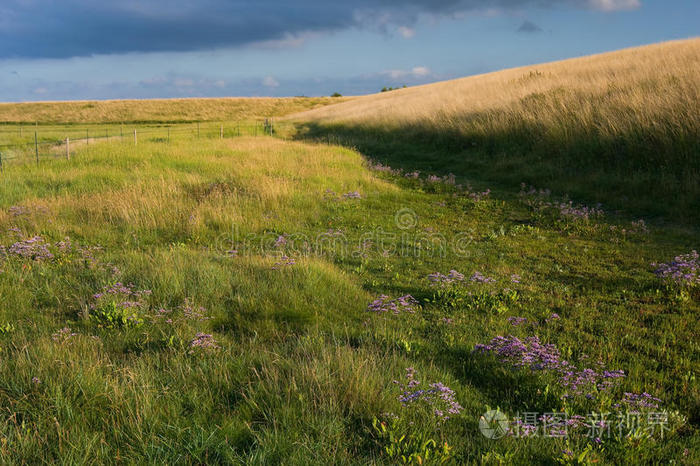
(620, 127)
(157, 110)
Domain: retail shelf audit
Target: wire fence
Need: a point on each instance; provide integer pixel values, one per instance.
(21, 143)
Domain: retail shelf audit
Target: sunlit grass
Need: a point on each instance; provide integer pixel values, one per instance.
(303, 368)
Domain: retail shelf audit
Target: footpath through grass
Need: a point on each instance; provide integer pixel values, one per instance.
(262, 301)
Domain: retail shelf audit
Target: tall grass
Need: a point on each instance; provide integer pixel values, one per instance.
(621, 128)
(302, 369)
(157, 110)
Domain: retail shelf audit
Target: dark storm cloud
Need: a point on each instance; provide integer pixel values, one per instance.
(68, 28)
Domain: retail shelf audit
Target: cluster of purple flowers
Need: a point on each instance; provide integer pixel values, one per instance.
(479, 278)
(515, 321)
(578, 212)
(18, 210)
(638, 227)
(192, 312)
(284, 261)
(480, 196)
(385, 169)
(452, 276)
(532, 354)
(281, 241)
(449, 179)
(540, 200)
(683, 269)
(438, 397)
(639, 401)
(352, 195)
(203, 341)
(124, 296)
(396, 306)
(119, 289)
(64, 334)
(34, 249)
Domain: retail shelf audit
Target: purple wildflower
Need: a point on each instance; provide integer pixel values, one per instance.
(477, 277)
(515, 321)
(452, 276)
(396, 306)
(438, 397)
(193, 313)
(640, 401)
(530, 353)
(479, 196)
(203, 341)
(284, 261)
(63, 334)
(682, 270)
(352, 195)
(34, 248)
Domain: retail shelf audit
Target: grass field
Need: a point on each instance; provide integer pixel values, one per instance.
(260, 300)
(619, 128)
(157, 111)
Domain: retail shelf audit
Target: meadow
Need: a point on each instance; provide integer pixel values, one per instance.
(292, 298)
(157, 110)
(620, 128)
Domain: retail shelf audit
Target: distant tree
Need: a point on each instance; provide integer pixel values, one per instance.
(387, 89)
(336, 94)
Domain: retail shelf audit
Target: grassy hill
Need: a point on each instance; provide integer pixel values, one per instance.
(157, 110)
(620, 128)
(246, 299)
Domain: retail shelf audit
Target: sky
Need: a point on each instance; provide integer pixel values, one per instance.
(97, 49)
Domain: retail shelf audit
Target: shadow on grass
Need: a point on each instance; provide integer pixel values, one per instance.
(651, 174)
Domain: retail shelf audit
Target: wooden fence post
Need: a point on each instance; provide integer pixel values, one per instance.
(36, 147)
(67, 148)
(2, 168)
(197, 130)
(136, 141)
(221, 132)
(87, 136)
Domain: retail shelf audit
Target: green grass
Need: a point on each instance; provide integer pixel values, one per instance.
(303, 368)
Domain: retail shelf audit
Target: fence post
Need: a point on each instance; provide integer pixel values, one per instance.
(87, 136)
(36, 147)
(67, 148)
(121, 132)
(2, 169)
(221, 132)
(197, 130)
(136, 141)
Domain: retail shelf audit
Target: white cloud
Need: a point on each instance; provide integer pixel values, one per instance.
(269, 81)
(415, 72)
(406, 32)
(420, 71)
(615, 5)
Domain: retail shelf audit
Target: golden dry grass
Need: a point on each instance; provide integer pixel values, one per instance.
(626, 79)
(157, 110)
(621, 128)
